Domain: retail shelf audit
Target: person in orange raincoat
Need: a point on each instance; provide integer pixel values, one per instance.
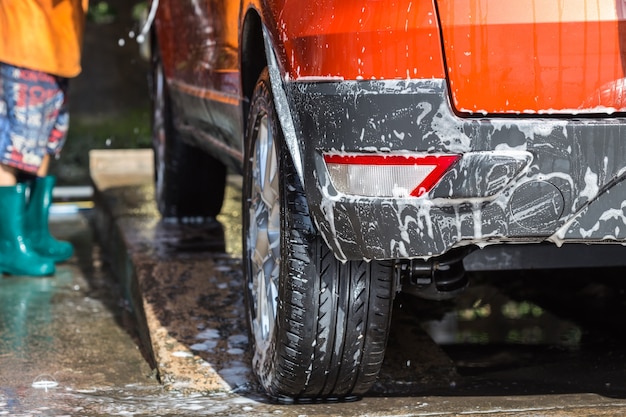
(40, 50)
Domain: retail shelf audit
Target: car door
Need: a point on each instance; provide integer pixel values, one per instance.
(199, 47)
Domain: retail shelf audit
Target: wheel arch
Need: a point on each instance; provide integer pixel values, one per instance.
(253, 55)
(258, 52)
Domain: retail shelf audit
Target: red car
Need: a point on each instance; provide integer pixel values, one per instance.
(380, 142)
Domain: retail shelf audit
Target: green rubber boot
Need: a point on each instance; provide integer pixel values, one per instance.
(16, 257)
(36, 222)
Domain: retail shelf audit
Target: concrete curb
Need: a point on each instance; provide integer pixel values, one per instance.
(174, 277)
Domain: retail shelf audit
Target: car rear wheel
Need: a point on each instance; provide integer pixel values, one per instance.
(189, 183)
(318, 326)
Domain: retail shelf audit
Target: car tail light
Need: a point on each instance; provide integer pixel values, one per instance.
(387, 175)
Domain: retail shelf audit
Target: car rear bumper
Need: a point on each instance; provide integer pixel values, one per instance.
(520, 179)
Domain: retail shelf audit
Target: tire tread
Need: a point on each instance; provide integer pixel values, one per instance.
(333, 317)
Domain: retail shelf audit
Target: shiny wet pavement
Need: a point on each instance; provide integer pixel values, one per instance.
(542, 343)
(65, 335)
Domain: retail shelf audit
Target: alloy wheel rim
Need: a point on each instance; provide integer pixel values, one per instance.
(264, 233)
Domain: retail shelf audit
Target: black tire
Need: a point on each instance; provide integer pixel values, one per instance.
(189, 183)
(326, 334)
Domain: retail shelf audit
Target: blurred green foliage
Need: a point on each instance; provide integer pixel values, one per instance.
(101, 12)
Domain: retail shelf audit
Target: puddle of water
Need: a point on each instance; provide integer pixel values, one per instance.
(485, 316)
(64, 333)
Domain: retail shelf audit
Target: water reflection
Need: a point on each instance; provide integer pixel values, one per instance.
(24, 312)
(485, 316)
(230, 216)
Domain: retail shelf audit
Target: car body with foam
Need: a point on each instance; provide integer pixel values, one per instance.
(380, 143)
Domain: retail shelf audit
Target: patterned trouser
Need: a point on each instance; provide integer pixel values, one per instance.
(33, 116)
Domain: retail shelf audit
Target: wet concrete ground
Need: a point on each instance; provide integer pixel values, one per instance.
(167, 336)
(65, 335)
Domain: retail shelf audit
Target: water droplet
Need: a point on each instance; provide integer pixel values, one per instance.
(44, 382)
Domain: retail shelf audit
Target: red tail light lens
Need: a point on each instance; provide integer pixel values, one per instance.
(387, 175)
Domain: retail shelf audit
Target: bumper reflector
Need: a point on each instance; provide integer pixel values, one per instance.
(387, 175)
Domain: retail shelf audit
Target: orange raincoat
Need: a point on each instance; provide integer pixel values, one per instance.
(43, 35)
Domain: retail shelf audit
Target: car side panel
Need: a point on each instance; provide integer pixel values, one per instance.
(199, 45)
(356, 39)
(199, 42)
